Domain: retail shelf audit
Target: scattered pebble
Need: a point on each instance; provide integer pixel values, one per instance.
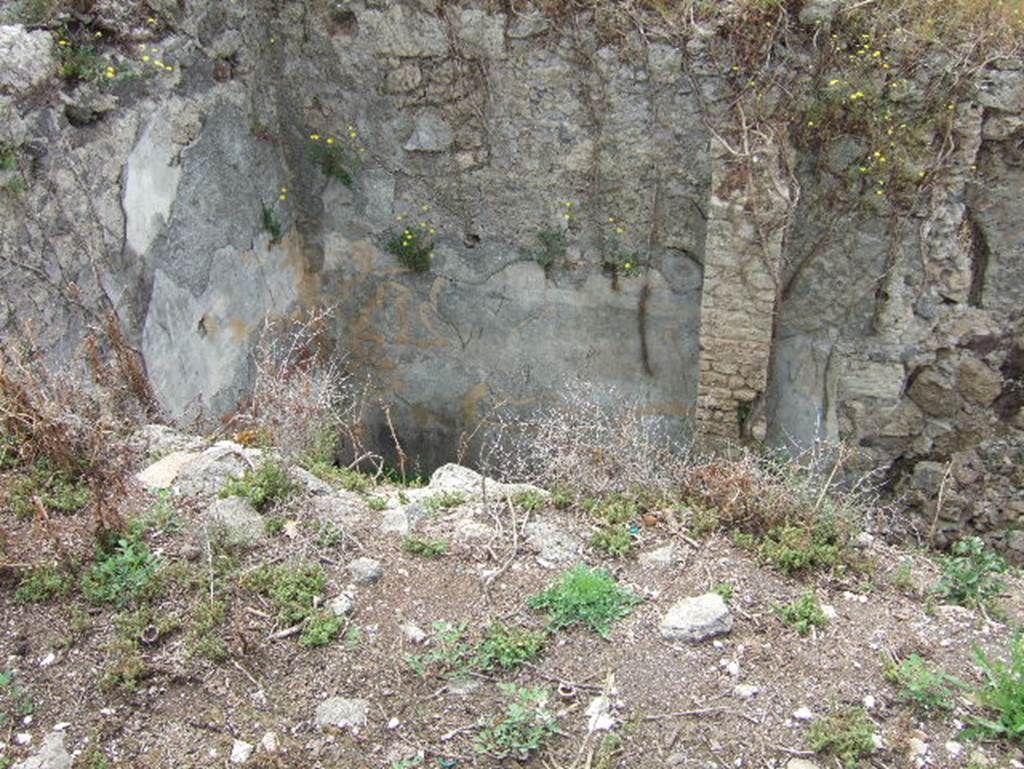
(22, 738)
(868, 702)
(241, 751)
(414, 633)
(394, 723)
(745, 691)
(954, 749)
(916, 747)
(340, 605)
(365, 571)
(269, 742)
(48, 660)
(696, 619)
(803, 714)
(341, 712)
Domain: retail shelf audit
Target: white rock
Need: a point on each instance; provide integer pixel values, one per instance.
(163, 473)
(393, 724)
(916, 747)
(869, 702)
(234, 521)
(745, 691)
(694, 619)
(553, 543)
(340, 605)
(241, 751)
(599, 715)
(732, 667)
(52, 754)
(829, 611)
(48, 660)
(877, 741)
(26, 58)
(660, 558)
(22, 738)
(954, 749)
(803, 714)
(341, 712)
(413, 633)
(269, 743)
(365, 571)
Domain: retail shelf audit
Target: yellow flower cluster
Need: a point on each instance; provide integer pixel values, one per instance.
(151, 55)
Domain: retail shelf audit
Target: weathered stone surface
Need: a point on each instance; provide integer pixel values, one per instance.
(979, 383)
(26, 58)
(552, 543)
(661, 558)
(934, 392)
(164, 472)
(206, 474)
(234, 521)
(52, 755)
(365, 571)
(341, 713)
(696, 619)
(430, 134)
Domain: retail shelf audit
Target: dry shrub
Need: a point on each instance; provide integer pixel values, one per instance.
(584, 445)
(753, 492)
(74, 425)
(302, 401)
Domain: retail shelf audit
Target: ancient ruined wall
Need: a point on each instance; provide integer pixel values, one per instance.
(598, 211)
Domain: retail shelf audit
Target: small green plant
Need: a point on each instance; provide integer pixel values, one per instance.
(44, 583)
(798, 548)
(562, 499)
(329, 536)
(428, 548)
(80, 62)
(452, 655)
(274, 525)
(930, 690)
(903, 579)
(321, 628)
(803, 613)
(8, 157)
(377, 503)
(608, 751)
(508, 647)
(552, 248)
(614, 540)
(702, 521)
(585, 596)
(350, 480)
(353, 637)
(124, 574)
(270, 223)
(331, 158)
(204, 637)
(124, 666)
(968, 574)
(1002, 693)
(58, 491)
(531, 501)
(613, 509)
(264, 487)
(15, 700)
(847, 734)
(724, 589)
(525, 727)
(444, 500)
(413, 247)
(291, 587)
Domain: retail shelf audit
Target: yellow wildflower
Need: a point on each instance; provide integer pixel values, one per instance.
(282, 197)
(834, 81)
(111, 72)
(315, 137)
(330, 140)
(619, 230)
(627, 265)
(63, 43)
(146, 57)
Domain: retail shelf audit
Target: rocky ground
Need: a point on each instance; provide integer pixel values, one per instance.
(201, 667)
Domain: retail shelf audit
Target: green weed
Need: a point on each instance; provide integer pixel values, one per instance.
(15, 700)
(413, 247)
(968, 574)
(274, 524)
(613, 540)
(613, 509)
(847, 734)
(377, 503)
(803, 613)
(724, 589)
(264, 487)
(350, 480)
(608, 751)
(444, 500)
(930, 690)
(531, 501)
(57, 490)
(292, 588)
(329, 536)
(124, 665)
(452, 655)
(428, 548)
(270, 223)
(321, 628)
(552, 248)
(585, 596)
(332, 160)
(44, 583)
(508, 647)
(80, 63)
(204, 637)
(527, 724)
(1002, 693)
(124, 574)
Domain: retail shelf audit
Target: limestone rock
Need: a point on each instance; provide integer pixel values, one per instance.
(341, 713)
(160, 440)
(26, 58)
(52, 755)
(554, 544)
(234, 521)
(661, 558)
(340, 605)
(933, 391)
(207, 473)
(164, 472)
(979, 383)
(309, 482)
(698, 618)
(431, 134)
(241, 751)
(365, 571)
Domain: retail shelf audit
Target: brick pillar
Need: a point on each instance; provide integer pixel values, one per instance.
(747, 214)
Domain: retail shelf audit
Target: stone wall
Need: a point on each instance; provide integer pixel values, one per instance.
(765, 302)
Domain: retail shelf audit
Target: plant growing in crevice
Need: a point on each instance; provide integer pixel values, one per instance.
(413, 247)
(333, 159)
(552, 248)
(270, 223)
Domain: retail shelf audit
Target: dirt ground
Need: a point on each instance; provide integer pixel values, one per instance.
(675, 703)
